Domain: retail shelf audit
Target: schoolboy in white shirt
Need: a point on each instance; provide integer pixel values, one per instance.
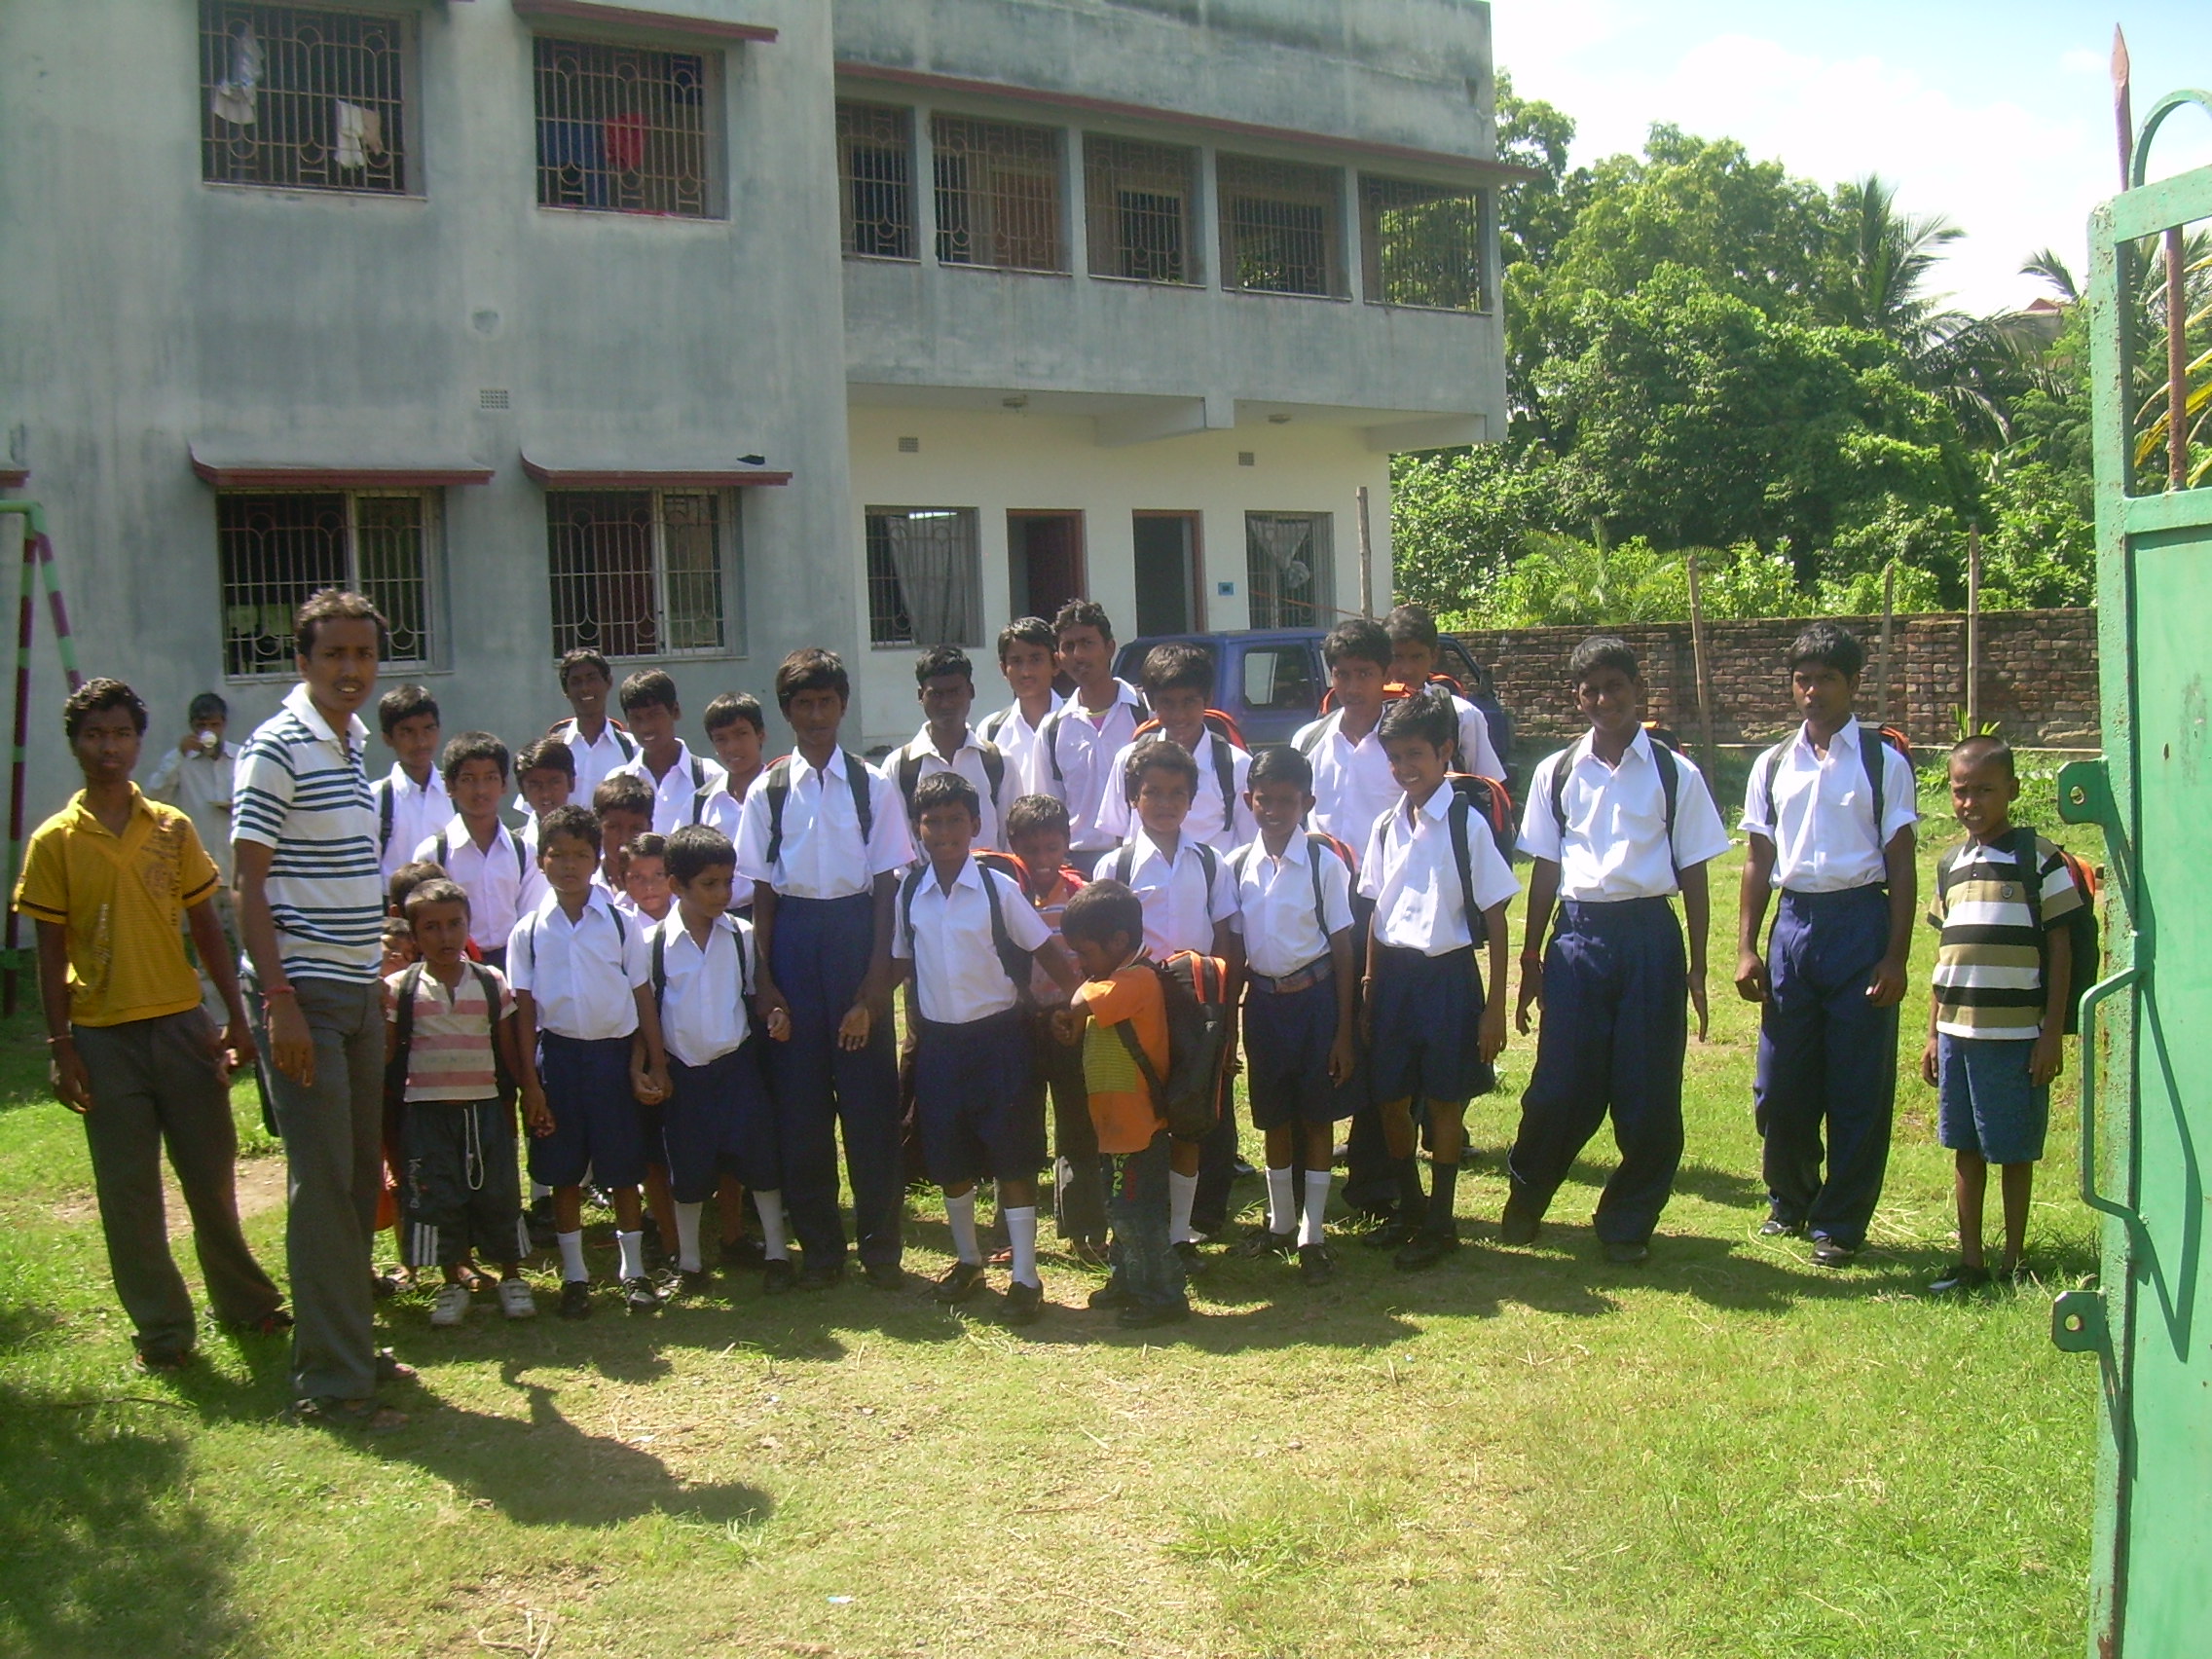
(1617, 823)
(971, 939)
(1178, 679)
(600, 744)
(490, 862)
(1435, 1023)
(1830, 813)
(717, 1121)
(822, 837)
(1079, 740)
(1028, 660)
(687, 788)
(1417, 658)
(546, 775)
(582, 981)
(1294, 914)
(945, 683)
(410, 799)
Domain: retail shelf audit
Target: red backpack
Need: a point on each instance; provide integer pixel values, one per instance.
(1393, 689)
(1225, 737)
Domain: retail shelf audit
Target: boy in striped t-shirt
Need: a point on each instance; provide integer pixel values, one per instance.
(1996, 1024)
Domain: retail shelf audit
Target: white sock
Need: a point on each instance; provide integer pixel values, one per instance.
(540, 1190)
(961, 1213)
(633, 1248)
(1021, 1231)
(1316, 1206)
(572, 1269)
(688, 1237)
(1278, 1200)
(770, 1207)
(1182, 1194)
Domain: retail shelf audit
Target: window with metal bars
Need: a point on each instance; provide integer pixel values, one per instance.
(923, 581)
(1289, 579)
(302, 99)
(1423, 244)
(1140, 202)
(875, 167)
(997, 194)
(636, 572)
(624, 130)
(277, 547)
(1281, 227)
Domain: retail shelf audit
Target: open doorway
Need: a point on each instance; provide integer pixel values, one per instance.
(1168, 572)
(1044, 555)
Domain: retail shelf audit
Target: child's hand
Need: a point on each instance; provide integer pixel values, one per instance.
(1067, 1025)
(1532, 995)
(1493, 1040)
(536, 1114)
(779, 1022)
(2048, 1058)
(292, 1044)
(1887, 988)
(772, 1006)
(1750, 977)
(1697, 1002)
(644, 1087)
(852, 1030)
(72, 1083)
(1931, 1064)
(1343, 1058)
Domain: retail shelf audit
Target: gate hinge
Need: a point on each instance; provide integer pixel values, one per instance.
(2084, 792)
(2077, 1321)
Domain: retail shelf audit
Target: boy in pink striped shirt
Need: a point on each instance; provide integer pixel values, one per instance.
(451, 1057)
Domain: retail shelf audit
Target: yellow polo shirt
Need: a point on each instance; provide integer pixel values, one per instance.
(121, 899)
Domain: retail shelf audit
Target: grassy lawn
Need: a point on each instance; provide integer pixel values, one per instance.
(1526, 1452)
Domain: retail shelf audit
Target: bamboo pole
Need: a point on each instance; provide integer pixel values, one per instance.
(1366, 559)
(1889, 617)
(1974, 628)
(1701, 663)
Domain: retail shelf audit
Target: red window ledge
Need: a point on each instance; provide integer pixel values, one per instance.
(234, 471)
(564, 475)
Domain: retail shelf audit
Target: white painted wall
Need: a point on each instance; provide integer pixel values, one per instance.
(994, 462)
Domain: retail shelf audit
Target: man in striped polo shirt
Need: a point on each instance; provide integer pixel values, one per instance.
(310, 908)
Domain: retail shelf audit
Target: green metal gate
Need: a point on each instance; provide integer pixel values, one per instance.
(2146, 1048)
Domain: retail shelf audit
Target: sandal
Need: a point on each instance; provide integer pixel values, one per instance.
(368, 1415)
(391, 1369)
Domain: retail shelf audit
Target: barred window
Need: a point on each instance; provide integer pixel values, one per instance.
(277, 546)
(1288, 574)
(1423, 244)
(636, 572)
(1281, 227)
(624, 130)
(876, 167)
(922, 577)
(998, 194)
(1140, 200)
(302, 99)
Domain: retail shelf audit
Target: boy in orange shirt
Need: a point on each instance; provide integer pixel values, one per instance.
(1104, 927)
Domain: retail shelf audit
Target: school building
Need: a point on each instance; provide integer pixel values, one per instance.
(700, 330)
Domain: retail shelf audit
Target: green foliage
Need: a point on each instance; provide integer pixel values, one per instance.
(1459, 517)
(2041, 549)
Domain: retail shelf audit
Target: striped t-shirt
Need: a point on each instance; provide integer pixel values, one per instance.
(301, 790)
(449, 1045)
(1989, 966)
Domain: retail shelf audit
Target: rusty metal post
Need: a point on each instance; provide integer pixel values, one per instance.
(2177, 362)
(1882, 713)
(1365, 558)
(1974, 628)
(1701, 664)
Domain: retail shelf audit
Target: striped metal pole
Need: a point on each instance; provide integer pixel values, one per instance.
(38, 570)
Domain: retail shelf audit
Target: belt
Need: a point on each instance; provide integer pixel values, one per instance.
(1318, 972)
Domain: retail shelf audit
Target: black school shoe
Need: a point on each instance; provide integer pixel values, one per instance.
(777, 1277)
(696, 1281)
(165, 1364)
(1194, 1262)
(821, 1276)
(743, 1253)
(1111, 1293)
(961, 1280)
(639, 1294)
(1426, 1249)
(1961, 1275)
(1260, 1242)
(1828, 1253)
(575, 1299)
(884, 1276)
(1144, 1315)
(1315, 1265)
(1521, 1222)
(1023, 1303)
(1625, 1255)
(1774, 1226)
(1396, 1231)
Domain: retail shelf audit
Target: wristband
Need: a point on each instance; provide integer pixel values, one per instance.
(271, 995)
(66, 1037)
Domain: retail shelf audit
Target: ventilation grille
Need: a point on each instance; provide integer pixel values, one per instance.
(909, 446)
(492, 397)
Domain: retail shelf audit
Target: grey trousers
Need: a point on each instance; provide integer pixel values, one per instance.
(334, 1155)
(155, 1085)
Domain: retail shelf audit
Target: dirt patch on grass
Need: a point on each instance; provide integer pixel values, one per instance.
(261, 1186)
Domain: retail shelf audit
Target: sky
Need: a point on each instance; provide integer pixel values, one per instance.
(1997, 118)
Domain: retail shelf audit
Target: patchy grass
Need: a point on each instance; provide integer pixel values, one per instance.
(1527, 1452)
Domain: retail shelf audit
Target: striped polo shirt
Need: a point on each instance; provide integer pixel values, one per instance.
(449, 1045)
(301, 791)
(1989, 978)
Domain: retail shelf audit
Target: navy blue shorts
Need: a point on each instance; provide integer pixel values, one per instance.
(1427, 1036)
(718, 1119)
(1286, 1057)
(1984, 1102)
(973, 1102)
(597, 1126)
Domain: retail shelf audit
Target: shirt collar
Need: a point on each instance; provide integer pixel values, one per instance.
(1436, 806)
(300, 703)
(833, 767)
(436, 785)
(1586, 749)
(596, 897)
(457, 836)
(923, 747)
(1845, 741)
(88, 819)
(1147, 848)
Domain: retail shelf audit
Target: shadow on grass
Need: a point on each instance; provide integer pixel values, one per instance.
(100, 1554)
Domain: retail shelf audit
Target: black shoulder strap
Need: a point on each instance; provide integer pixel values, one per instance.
(993, 725)
(1670, 790)
(863, 798)
(522, 861)
(909, 777)
(1123, 862)
(1455, 817)
(1871, 742)
(1769, 763)
(994, 768)
(907, 890)
(1011, 957)
(2029, 857)
(1153, 1081)
(1317, 733)
(386, 810)
(1225, 777)
(623, 741)
(741, 931)
(659, 967)
(1314, 850)
(777, 785)
(1563, 764)
(403, 1021)
(1048, 735)
(622, 928)
(700, 793)
(443, 851)
(1208, 861)
(502, 1079)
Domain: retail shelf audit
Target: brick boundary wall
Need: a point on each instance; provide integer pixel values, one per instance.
(2039, 674)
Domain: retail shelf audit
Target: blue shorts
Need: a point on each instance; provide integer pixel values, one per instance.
(1286, 1057)
(1985, 1103)
(718, 1119)
(597, 1126)
(973, 1102)
(1427, 1035)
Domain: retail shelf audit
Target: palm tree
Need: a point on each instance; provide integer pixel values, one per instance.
(1881, 263)
(2045, 263)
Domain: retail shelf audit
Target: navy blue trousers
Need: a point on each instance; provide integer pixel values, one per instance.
(819, 956)
(1828, 1059)
(1614, 1028)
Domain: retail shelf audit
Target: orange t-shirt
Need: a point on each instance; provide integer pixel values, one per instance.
(1121, 1108)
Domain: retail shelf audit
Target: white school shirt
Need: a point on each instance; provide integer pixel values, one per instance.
(1353, 789)
(702, 1004)
(417, 814)
(1085, 749)
(594, 760)
(1414, 879)
(1615, 844)
(823, 856)
(504, 882)
(1220, 825)
(1179, 909)
(967, 762)
(957, 972)
(1477, 754)
(584, 975)
(1016, 739)
(199, 784)
(1822, 818)
(676, 789)
(1275, 904)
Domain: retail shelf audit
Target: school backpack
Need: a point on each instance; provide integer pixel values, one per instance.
(403, 1037)
(1663, 752)
(1225, 737)
(659, 969)
(1393, 689)
(2086, 955)
(1200, 1022)
(1319, 844)
(1011, 957)
(909, 776)
(777, 781)
(1869, 756)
